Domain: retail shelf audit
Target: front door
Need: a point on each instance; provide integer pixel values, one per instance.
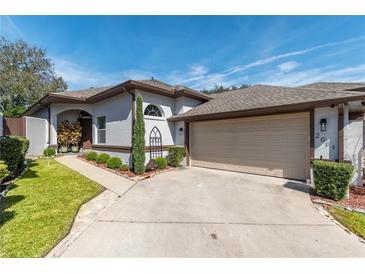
(86, 138)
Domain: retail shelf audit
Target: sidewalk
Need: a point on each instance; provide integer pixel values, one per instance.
(117, 184)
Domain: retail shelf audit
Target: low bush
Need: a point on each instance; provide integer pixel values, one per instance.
(124, 167)
(91, 156)
(176, 155)
(11, 152)
(3, 170)
(102, 158)
(49, 152)
(331, 179)
(114, 163)
(161, 162)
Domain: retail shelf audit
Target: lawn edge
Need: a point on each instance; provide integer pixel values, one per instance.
(322, 210)
(76, 212)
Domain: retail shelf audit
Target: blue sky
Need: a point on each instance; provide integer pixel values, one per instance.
(197, 51)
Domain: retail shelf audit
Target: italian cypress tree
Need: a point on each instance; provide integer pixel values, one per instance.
(138, 139)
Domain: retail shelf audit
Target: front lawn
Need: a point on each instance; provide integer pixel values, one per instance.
(39, 209)
(354, 221)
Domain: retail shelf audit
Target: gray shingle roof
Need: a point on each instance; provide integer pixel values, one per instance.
(156, 83)
(83, 93)
(262, 96)
(87, 93)
(333, 86)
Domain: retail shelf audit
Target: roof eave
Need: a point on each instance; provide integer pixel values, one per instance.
(298, 107)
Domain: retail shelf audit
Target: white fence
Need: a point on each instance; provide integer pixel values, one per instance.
(36, 132)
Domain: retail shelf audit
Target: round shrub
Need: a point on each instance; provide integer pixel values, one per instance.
(91, 156)
(114, 163)
(49, 152)
(161, 162)
(102, 158)
(124, 167)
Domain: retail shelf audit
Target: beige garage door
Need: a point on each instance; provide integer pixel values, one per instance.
(276, 145)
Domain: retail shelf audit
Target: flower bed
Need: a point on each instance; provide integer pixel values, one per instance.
(356, 199)
(128, 173)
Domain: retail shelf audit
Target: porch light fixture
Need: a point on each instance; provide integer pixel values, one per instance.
(323, 123)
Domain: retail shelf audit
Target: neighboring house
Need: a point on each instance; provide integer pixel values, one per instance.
(262, 129)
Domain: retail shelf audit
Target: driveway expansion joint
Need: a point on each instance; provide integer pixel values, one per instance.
(211, 223)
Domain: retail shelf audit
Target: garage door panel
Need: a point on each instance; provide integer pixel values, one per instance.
(276, 145)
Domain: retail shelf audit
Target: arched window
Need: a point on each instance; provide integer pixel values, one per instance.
(152, 110)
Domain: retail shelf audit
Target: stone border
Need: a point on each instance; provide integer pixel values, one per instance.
(325, 213)
(86, 215)
(137, 178)
(321, 202)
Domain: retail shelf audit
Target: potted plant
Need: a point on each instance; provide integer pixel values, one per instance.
(63, 135)
(75, 136)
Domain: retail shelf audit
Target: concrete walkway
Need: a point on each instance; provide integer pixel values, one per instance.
(115, 183)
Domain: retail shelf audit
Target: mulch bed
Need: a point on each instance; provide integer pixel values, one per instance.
(128, 174)
(356, 198)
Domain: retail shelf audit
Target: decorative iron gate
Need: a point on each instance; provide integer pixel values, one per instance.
(155, 143)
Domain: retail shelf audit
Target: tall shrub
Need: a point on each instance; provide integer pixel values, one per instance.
(11, 152)
(176, 155)
(331, 180)
(138, 139)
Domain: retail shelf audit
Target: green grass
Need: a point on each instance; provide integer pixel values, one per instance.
(354, 221)
(39, 209)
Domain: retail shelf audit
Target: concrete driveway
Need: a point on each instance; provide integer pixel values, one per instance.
(209, 213)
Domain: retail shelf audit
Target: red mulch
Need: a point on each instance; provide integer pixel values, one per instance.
(128, 173)
(356, 199)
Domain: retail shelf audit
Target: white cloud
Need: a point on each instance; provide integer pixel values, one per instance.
(225, 76)
(198, 70)
(289, 54)
(326, 74)
(288, 66)
(8, 28)
(78, 76)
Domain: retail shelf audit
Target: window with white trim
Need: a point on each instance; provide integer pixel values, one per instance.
(152, 110)
(101, 129)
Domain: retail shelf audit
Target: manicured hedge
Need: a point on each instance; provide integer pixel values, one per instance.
(25, 147)
(3, 170)
(91, 156)
(161, 162)
(11, 150)
(102, 158)
(332, 179)
(114, 163)
(176, 155)
(49, 152)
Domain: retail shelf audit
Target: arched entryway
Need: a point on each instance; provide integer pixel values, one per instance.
(85, 120)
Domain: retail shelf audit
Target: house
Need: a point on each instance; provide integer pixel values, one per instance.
(262, 129)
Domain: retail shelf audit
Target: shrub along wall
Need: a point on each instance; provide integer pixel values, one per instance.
(11, 151)
(176, 155)
(332, 179)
